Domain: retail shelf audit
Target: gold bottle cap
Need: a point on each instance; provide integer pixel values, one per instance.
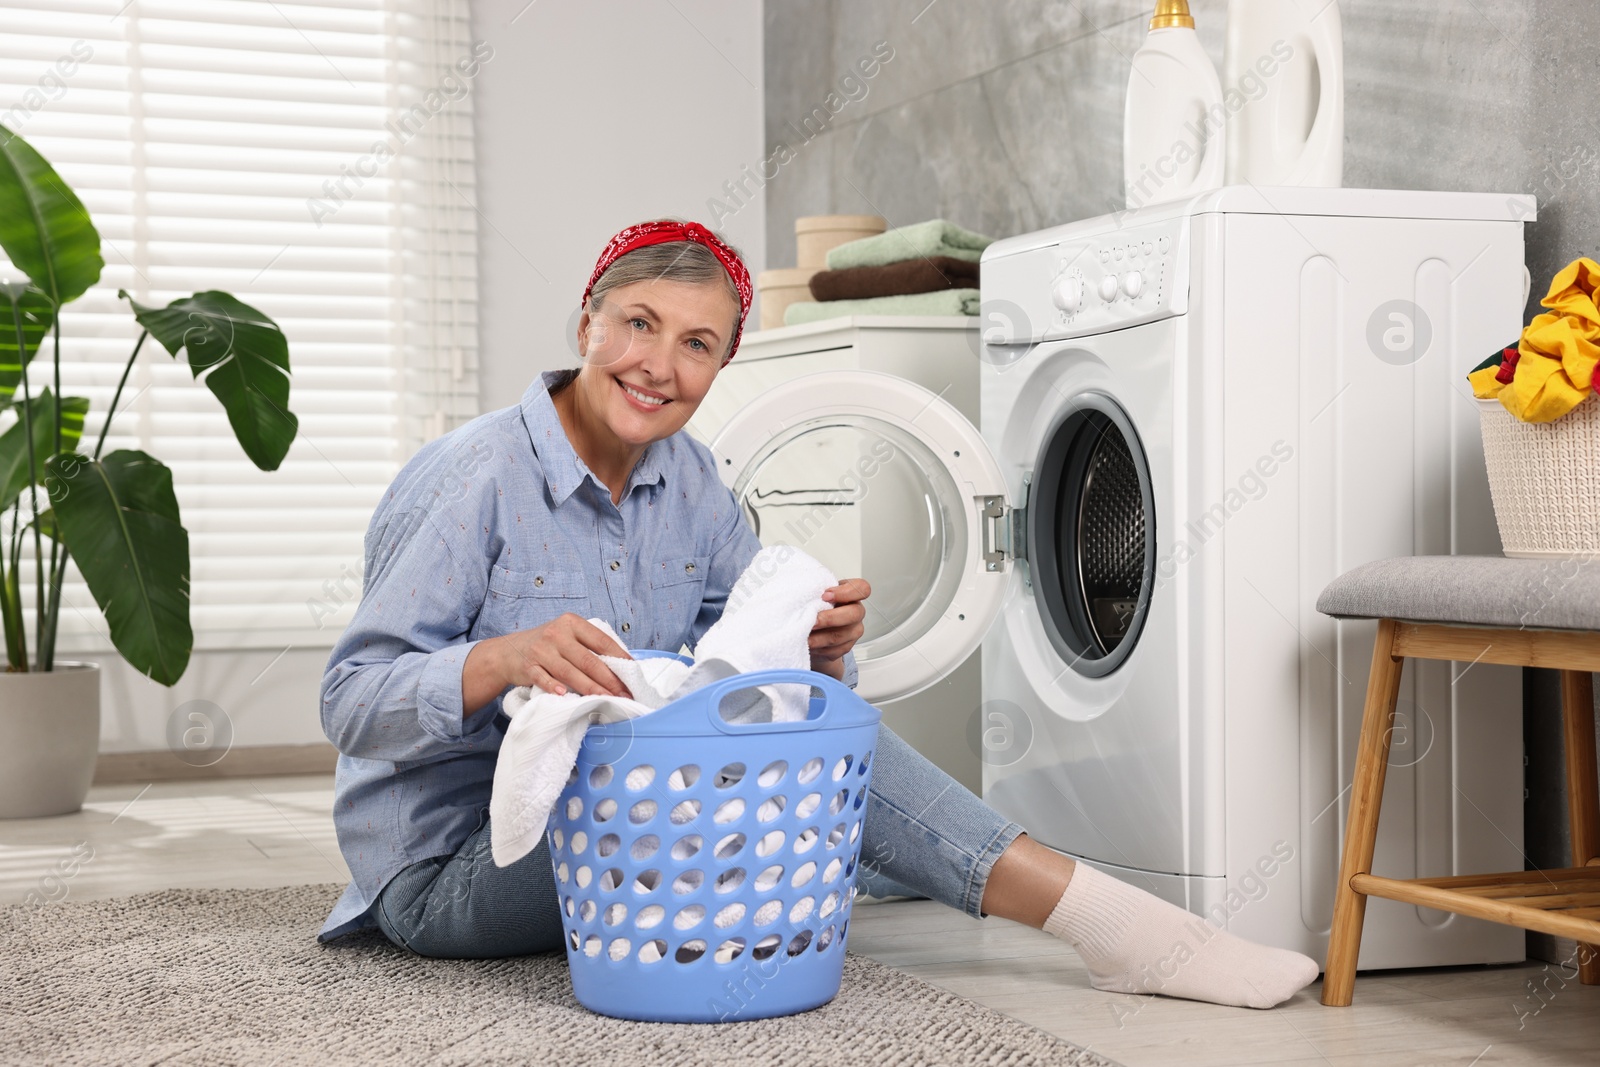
(1170, 13)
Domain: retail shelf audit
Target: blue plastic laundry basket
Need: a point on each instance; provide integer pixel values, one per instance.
(679, 821)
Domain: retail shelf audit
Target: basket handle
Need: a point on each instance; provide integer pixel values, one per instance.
(818, 715)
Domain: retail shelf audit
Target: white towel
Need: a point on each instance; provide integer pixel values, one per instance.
(765, 625)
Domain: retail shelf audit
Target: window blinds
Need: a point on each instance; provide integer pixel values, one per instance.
(314, 159)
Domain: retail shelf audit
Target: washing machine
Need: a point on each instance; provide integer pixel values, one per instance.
(829, 493)
(1194, 416)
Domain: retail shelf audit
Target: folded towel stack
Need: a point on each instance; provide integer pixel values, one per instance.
(929, 268)
(909, 276)
(946, 302)
(936, 237)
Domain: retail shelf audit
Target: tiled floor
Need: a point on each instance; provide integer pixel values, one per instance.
(276, 831)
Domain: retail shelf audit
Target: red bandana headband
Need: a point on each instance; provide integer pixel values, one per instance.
(664, 232)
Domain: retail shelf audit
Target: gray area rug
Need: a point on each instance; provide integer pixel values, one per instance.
(225, 976)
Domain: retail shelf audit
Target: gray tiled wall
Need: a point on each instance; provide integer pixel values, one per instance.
(1007, 117)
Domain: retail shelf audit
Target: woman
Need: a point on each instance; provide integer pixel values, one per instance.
(498, 541)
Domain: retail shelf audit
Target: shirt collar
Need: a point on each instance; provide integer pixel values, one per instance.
(564, 471)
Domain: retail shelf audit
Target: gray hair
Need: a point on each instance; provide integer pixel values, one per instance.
(674, 261)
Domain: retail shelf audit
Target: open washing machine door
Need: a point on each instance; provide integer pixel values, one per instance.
(877, 477)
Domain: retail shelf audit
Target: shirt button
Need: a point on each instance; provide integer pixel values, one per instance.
(627, 626)
(688, 568)
(615, 564)
(538, 581)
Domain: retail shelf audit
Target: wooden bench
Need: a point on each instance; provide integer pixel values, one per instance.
(1529, 613)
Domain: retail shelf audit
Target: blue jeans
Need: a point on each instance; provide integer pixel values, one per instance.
(925, 834)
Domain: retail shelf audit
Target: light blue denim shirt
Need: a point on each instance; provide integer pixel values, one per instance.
(497, 527)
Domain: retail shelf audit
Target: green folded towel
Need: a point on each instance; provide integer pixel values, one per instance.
(944, 302)
(936, 237)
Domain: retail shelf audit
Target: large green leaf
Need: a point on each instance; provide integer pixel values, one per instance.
(119, 518)
(245, 360)
(37, 313)
(14, 443)
(44, 227)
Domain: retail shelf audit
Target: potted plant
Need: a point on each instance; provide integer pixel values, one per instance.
(1540, 415)
(114, 513)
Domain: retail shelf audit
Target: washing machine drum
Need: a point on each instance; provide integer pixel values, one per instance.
(1092, 536)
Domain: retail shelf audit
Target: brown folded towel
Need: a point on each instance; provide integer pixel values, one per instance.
(921, 275)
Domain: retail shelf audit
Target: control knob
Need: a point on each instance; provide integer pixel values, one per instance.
(1067, 293)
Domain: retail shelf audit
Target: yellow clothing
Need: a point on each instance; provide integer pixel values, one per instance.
(1559, 351)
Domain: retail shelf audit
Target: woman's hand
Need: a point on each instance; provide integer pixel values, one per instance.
(559, 657)
(839, 628)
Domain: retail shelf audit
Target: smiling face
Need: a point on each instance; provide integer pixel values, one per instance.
(650, 353)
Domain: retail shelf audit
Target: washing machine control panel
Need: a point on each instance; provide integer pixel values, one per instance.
(1088, 284)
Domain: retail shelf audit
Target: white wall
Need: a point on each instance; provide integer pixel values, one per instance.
(586, 121)
(249, 697)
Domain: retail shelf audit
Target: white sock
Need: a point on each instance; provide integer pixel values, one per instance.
(1135, 943)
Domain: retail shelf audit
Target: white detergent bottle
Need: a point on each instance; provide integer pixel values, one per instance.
(1283, 75)
(1173, 134)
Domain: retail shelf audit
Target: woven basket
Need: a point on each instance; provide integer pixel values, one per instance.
(1545, 479)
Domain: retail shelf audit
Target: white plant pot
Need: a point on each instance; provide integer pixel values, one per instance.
(49, 739)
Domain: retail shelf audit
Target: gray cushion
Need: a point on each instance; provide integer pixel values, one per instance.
(1555, 594)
